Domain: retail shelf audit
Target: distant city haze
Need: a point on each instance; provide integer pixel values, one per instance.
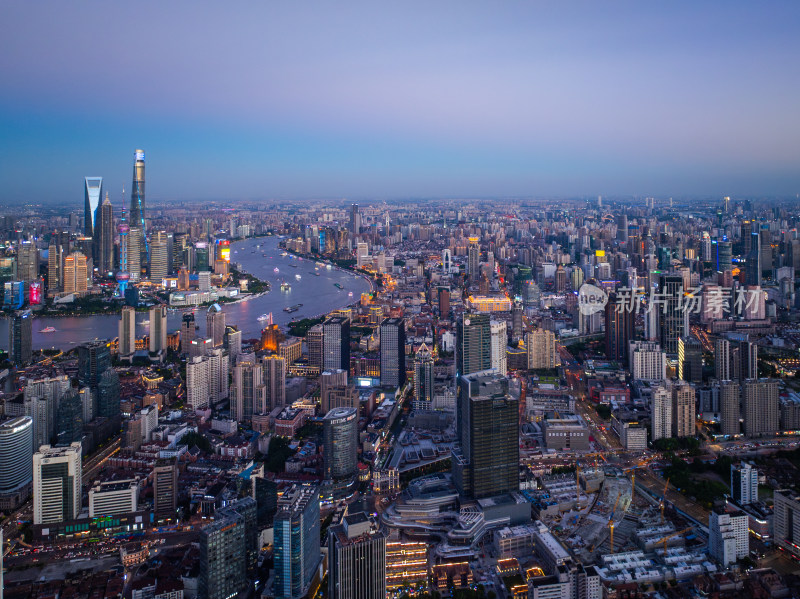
(285, 100)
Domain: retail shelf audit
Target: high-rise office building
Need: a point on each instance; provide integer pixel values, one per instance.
(423, 378)
(499, 346)
(127, 331)
(744, 483)
(223, 571)
(620, 329)
(473, 259)
(683, 409)
(158, 329)
(41, 397)
(137, 211)
(55, 266)
(219, 370)
(27, 262)
(357, 554)
(753, 263)
(114, 497)
(674, 319)
(108, 405)
(297, 541)
(541, 348)
(16, 456)
(248, 393)
(94, 358)
(69, 418)
(748, 360)
(160, 248)
(661, 414)
(730, 395)
(760, 407)
(330, 381)
(690, 360)
(316, 350)
(215, 325)
(134, 245)
(188, 331)
(722, 359)
(103, 238)
(233, 342)
(56, 483)
(393, 352)
(724, 256)
(76, 273)
(486, 454)
(340, 442)
(165, 488)
(647, 361)
(274, 382)
(336, 343)
(20, 338)
(198, 382)
(355, 220)
(473, 344)
(93, 193)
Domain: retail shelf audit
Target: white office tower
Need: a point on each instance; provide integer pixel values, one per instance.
(113, 497)
(647, 361)
(16, 451)
(728, 536)
(56, 483)
(149, 416)
(198, 382)
(499, 343)
(744, 483)
(158, 329)
(127, 331)
(134, 238)
(661, 414)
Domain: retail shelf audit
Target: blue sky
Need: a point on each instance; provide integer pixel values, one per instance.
(401, 99)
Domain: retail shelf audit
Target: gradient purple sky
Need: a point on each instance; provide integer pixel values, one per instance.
(395, 99)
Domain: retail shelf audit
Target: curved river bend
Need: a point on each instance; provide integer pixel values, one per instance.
(316, 289)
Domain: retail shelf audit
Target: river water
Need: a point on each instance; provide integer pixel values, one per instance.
(315, 289)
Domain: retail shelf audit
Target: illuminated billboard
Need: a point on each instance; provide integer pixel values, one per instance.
(35, 293)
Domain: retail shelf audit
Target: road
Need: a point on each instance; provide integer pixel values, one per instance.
(93, 465)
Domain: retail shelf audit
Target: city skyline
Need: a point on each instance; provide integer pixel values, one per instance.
(452, 100)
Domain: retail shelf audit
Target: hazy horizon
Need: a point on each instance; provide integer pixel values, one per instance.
(414, 100)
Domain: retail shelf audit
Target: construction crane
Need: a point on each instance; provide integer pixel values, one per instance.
(663, 498)
(611, 521)
(673, 534)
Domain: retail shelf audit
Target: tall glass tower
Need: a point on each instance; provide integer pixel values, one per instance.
(93, 191)
(137, 192)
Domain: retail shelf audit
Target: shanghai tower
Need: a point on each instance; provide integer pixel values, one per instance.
(137, 192)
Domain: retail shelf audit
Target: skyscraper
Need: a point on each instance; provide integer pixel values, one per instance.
(619, 330)
(188, 329)
(393, 352)
(223, 572)
(274, 382)
(661, 414)
(55, 265)
(423, 378)
(760, 403)
(473, 259)
(165, 488)
(76, 273)
(198, 382)
(69, 418)
(473, 344)
(316, 350)
(730, 394)
(355, 220)
(340, 441)
(56, 483)
(159, 257)
(297, 541)
(94, 358)
(20, 338)
(541, 347)
(683, 410)
(674, 319)
(336, 343)
(158, 329)
(690, 360)
(722, 359)
(127, 331)
(93, 192)
(27, 262)
(137, 218)
(104, 238)
(108, 405)
(248, 393)
(744, 483)
(215, 324)
(357, 554)
(499, 346)
(16, 452)
(486, 454)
